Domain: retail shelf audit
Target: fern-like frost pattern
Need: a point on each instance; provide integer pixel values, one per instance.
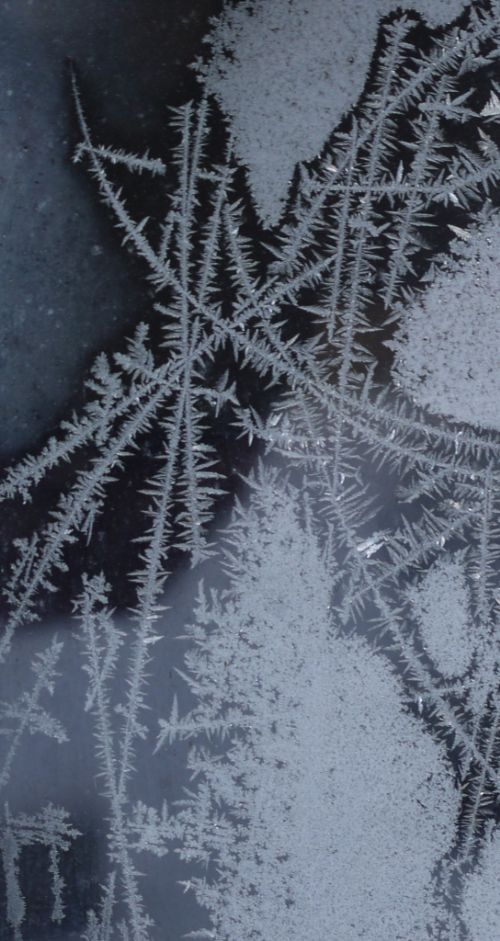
(318, 773)
(338, 689)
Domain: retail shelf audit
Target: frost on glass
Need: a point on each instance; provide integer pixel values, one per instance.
(319, 805)
(441, 606)
(447, 351)
(299, 67)
(132, 826)
(481, 902)
(51, 829)
(338, 698)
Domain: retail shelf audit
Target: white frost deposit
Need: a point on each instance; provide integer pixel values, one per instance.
(287, 71)
(481, 905)
(448, 345)
(441, 605)
(326, 807)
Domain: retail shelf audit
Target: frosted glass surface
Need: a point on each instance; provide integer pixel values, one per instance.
(249, 427)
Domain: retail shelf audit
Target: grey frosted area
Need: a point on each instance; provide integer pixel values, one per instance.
(56, 273)
(64, 293)
(481, 904)
(449, 340)
(50, 701)
(441, 606)
(250, 584)
(323, 772)
(287, 72)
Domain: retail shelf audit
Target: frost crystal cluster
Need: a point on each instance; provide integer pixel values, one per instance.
(306, 65)
(318, 772)
(309, 746)
(448, 347)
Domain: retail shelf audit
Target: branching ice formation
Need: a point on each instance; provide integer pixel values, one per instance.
(385, 236)
(318, 772)
(51, 829)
